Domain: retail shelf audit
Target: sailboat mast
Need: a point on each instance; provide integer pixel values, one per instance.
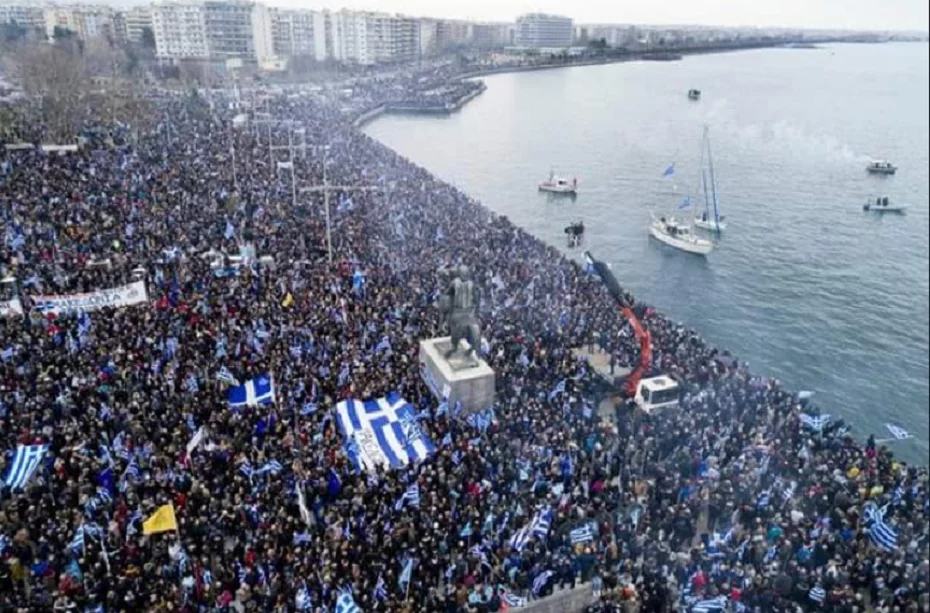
(713, 184)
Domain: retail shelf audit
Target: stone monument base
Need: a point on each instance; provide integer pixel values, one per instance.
(460, 379)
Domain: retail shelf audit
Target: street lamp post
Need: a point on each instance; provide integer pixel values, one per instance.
(326, 188)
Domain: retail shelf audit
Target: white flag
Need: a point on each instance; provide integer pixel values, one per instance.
(285, 165)
(302, 504)
(195, 440)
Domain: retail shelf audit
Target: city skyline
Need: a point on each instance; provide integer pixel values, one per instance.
(894, 15)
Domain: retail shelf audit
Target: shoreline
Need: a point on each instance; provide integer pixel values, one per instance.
(859, 439)
(667, 55)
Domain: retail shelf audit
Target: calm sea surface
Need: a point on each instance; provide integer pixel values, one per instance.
(805, 285)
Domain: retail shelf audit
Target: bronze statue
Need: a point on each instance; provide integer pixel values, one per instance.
(459, 306)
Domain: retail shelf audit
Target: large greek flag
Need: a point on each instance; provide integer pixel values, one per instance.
(257, 392)
(27, 460)
(382, 432)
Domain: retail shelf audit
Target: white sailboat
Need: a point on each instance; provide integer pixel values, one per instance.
(710, 218)
(678, 232)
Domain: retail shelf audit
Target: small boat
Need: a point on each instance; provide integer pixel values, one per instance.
(559, 185)
(881, 205)
(694, 94)
(881, 167)
(677, 234)
(575, 234)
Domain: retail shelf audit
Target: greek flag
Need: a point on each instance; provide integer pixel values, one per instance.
(411, 497)
(715, 605)
(558, 389)
(77, 543)
(480, 421)
(346, 604)
(257, 392)
(191, 384)
(538, 527)
(582, 534)
(898, 432)
(817, 594)
(897, 497)
(763, 500)
(25, 463)
(383, 431)
(513, 600)
(380, 592)
(302, 601)
(539, 583)
(406, 574)
(815, 423)
(881, 534)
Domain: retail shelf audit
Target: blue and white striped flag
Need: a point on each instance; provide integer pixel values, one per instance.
(302, 600)
(817, 594)
(411, 497)
(346, 604)
(25, 463)
(77, 543)
(380, 594)
(763, 500)
(514, 601)
(539, 583)
(191, 384)
(881, 534)
(714, 605)
(558, 389)
(583, 534)
(385, 431)
(406, 573)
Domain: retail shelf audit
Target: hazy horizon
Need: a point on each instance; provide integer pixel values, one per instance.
(896, 15)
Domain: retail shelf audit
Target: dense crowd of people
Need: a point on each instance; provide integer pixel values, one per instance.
(729, 500)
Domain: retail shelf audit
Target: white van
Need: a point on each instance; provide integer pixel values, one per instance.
(656, 393)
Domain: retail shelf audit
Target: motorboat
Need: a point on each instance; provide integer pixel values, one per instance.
(575, 234)
(694, 94)
(705, 223)
(559, 185)
(676, 233)
(882, 205)
(881, 167)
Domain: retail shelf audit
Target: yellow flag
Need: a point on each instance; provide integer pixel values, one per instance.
(162, 520)
(288, 300)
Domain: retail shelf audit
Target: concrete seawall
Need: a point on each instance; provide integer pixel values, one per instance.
(564, 601)
(415, 110)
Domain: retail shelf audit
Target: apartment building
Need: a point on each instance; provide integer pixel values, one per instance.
(451, 33)
(542, 31)
(27, 16)
(213, 29)
(489, 35)
(180, 31)
(292, 32)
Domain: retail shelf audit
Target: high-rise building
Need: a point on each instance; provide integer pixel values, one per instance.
(214, 29)
(541, 31)
(180, 30)
(451, 33)
(489, 35)
(28, 16)
(373, 38)
(129, 24)
(292, 32)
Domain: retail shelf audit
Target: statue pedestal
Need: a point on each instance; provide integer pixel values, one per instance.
(461, 379)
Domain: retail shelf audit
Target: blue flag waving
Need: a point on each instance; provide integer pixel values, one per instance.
(257, 392)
